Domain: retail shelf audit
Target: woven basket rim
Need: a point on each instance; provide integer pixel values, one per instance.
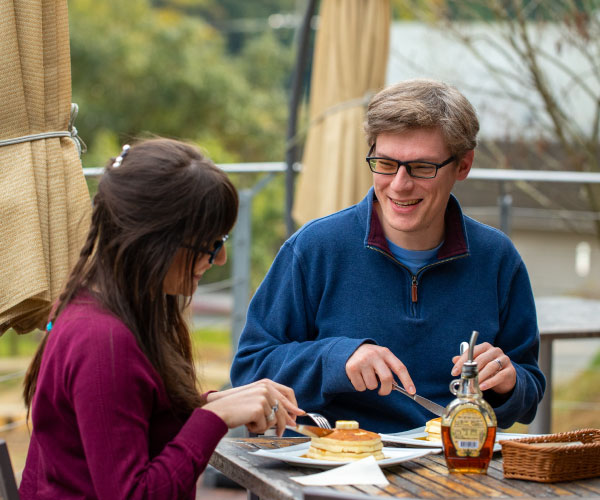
(526, 443)
(522, 459)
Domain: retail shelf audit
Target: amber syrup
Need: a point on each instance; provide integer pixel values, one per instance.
(468, 464)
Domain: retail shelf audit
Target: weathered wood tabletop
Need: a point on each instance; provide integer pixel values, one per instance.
(425, 477)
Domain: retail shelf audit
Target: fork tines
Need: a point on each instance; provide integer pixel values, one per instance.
(319, 419)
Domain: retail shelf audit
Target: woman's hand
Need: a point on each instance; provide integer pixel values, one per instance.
(258, 406)
(496, 371)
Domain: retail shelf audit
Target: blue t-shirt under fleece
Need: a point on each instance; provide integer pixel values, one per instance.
(414, 259)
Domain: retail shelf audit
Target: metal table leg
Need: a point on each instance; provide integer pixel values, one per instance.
(542, 424)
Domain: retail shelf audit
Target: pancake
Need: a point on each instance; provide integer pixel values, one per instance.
(433, 428)
(346, 442)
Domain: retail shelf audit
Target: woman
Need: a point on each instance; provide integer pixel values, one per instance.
(115, 405)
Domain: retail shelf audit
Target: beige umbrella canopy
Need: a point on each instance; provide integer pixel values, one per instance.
(350, 59)
(44, 201)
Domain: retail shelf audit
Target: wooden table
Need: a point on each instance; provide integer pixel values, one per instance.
(560, 318)
(425, 477)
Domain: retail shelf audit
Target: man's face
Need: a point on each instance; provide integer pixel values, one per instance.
(412, 210)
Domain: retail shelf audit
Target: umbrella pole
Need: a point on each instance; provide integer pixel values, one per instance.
(298, 78)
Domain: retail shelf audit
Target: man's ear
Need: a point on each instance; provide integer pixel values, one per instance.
(464, 165)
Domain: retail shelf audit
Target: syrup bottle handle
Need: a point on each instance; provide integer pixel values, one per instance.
(454, 385)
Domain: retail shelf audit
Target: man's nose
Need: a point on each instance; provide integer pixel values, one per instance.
(402, 179)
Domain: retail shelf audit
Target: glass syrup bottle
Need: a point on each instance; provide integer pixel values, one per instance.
(469, 422)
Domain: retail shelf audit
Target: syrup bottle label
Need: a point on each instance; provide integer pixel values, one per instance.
(468, 431)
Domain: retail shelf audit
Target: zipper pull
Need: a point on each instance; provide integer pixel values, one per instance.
(413, 289)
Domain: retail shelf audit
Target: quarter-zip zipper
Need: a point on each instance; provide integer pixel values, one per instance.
(413, 289)
(414, 284)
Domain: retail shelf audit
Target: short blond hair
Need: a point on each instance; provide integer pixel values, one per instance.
(423, 103)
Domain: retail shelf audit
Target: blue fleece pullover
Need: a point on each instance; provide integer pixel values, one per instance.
(335, 285)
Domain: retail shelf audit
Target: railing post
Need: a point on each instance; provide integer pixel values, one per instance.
(242, 238)
(13, 344)
(505, 203)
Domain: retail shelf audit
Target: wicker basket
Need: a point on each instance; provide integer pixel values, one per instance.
(547, 464)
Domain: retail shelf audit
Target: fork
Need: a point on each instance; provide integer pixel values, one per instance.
(319, 419)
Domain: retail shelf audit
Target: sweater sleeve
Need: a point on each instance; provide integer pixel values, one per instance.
(519, 339)
(280, 341)
(113, 388)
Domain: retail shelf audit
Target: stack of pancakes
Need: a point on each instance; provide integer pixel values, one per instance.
(346, 442)
(433, 428)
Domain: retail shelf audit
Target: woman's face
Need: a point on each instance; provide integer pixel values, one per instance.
(179, 272)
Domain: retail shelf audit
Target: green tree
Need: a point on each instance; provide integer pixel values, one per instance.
(140, 70)
(239, 21)
(142, 67)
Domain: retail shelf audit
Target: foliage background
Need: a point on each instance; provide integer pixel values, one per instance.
(187, 69)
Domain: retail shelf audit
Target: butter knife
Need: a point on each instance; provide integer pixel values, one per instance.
(434, 408)
(309, 430)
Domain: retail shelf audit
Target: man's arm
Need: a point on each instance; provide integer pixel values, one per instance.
(509, 373)
(281, 338)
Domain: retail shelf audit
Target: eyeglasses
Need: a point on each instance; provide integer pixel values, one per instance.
(215, 250)
(418, 169)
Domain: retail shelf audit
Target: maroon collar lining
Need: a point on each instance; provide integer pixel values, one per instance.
(376, 234)
(454, 243)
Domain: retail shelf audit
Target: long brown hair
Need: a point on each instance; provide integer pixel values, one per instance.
(165, 193)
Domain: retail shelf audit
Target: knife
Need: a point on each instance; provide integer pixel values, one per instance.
(309, 430)
(434, 408)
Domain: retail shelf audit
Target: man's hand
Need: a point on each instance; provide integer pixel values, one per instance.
(496, 371)
(371, 365)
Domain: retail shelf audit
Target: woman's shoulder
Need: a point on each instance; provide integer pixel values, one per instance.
(84, 322)
(86, 308)
(89, 348)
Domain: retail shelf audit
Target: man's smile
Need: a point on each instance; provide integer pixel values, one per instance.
(406, 203)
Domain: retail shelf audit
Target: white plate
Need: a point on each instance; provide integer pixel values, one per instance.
(293, 455)
(415, 437)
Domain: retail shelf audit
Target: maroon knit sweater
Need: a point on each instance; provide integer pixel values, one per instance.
(103, 426)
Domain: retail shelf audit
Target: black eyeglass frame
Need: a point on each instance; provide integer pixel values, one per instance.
(407, 165)
(215, 250)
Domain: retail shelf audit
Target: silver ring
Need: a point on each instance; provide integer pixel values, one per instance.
(274, 410)
(499, 364)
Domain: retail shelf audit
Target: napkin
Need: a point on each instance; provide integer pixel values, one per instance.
(364, 471)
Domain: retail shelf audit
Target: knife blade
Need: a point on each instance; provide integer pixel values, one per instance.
(434, 408)
(309, 430)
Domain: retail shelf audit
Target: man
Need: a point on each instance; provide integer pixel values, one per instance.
(390, 287)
